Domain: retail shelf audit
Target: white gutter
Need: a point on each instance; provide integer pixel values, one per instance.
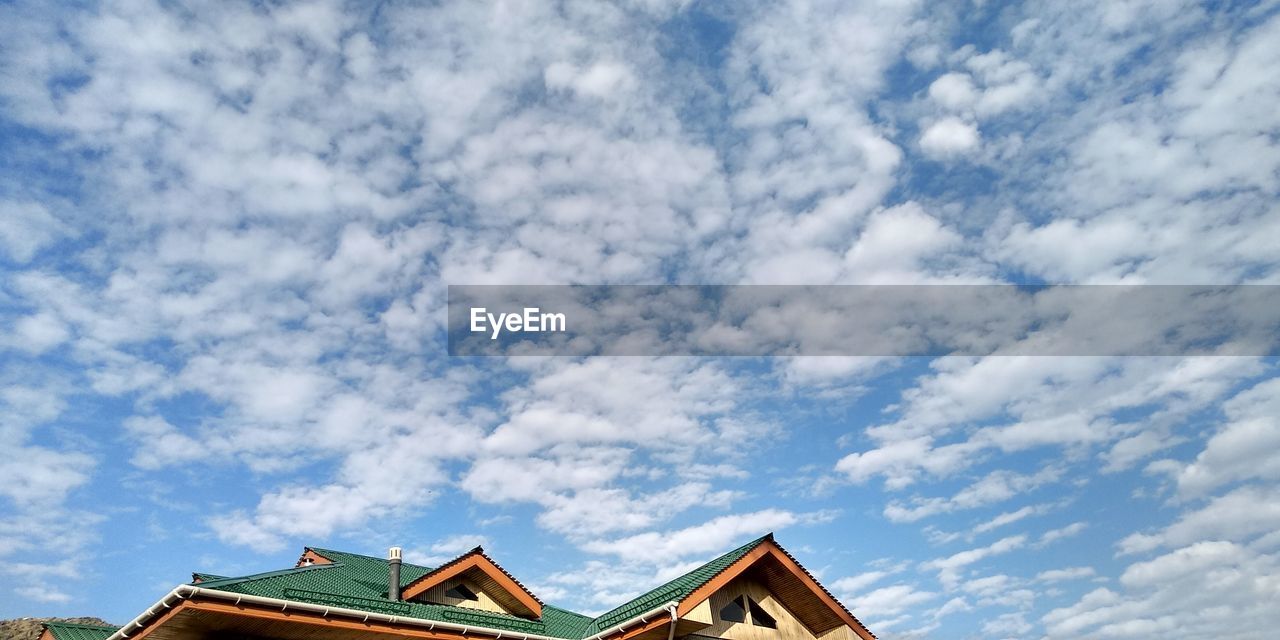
(186, 591)
(671, 633)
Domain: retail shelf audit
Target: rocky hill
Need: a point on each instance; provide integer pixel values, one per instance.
(29, 628)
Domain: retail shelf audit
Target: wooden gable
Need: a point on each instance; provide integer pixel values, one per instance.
(783, 624)
(770, 570)
(495, 588)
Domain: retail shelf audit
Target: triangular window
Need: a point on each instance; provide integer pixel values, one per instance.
(759, 617)
(734, 611)
(461, 592)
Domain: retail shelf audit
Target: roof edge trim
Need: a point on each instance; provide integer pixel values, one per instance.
(188, 592)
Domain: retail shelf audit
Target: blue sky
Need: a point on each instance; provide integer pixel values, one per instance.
(226, 231)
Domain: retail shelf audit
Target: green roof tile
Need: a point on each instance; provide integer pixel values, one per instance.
(69, 631)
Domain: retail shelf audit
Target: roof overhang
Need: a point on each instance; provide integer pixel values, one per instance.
(190, 611)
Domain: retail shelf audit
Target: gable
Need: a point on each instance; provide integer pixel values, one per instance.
(770, 566)
(483, 577)
(763, 617)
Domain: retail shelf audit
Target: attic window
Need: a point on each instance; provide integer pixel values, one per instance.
(759, 617)
(734, 611)
(461, 592)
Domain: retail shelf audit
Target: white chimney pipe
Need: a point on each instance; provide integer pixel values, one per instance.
(393, 573)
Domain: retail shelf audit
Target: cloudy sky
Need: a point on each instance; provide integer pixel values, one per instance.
(226, 230)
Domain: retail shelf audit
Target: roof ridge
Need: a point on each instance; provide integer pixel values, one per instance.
(213, 584)
(366, 556)
(80, 625)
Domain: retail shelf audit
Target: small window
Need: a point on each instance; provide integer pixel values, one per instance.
(461, 592)
(734, 611)
(759, 617)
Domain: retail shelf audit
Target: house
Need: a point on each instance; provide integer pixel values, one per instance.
(755, 592)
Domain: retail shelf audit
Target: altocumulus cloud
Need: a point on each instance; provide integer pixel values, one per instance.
(225, 232)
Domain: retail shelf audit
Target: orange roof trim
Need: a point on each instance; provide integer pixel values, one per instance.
(788, 581)
(520, 599)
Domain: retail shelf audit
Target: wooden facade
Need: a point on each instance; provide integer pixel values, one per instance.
(485, 601)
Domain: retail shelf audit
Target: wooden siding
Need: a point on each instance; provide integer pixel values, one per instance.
(789, 627)
(480, 570)
(787, 582)
(486, 602)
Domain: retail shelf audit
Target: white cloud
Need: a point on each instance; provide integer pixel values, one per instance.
(1238, 516)
(1011, 624)
(1210, 587)
(949, 137)
(889, 601)
(1243, 448)
(995, 487)
(949, 568)
(43, 594)
(598, 80)
(711, 536)
(37, 333)
(1161, 186)
(444, 550)
(856, 583)
(28, 228)
(953, 90)
(33, 476)
(603, 511)
(1054, 535)
(1035, 403)
(1069, 573)
(895, 244)
(1008, 517)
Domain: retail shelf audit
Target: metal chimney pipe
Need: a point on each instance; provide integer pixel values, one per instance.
(393, 577)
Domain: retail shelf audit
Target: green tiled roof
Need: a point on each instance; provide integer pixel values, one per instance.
(206, 577)
(359, 582)
(68, 631)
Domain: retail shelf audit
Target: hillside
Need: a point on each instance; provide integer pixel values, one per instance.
(29, 628)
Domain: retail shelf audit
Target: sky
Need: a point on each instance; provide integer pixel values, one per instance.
(227, 228)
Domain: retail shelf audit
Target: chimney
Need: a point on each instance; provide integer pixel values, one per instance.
(393, 579)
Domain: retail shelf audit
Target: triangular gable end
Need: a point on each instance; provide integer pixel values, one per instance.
(486, 573)
(771, 566)
(311, 556)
